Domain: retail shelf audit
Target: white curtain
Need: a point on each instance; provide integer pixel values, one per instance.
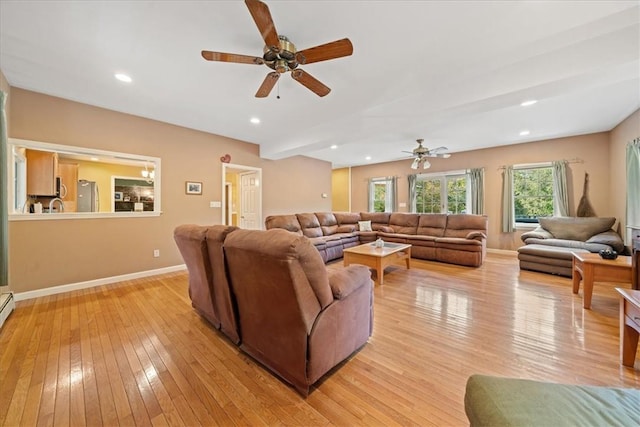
(560, 192)
(393, 199)
(476, 185)
(633, 183)
(507, 200)
(412, 192)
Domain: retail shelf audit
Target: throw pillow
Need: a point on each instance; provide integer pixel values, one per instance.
(364, 225)
(576, 228)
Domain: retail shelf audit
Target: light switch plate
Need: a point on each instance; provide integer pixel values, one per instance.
(215, 204)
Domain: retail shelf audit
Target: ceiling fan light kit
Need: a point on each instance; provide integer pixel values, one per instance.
(281, 55)
(421, 153)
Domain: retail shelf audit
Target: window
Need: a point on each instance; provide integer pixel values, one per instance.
(382, 194)
(532, 193)
(77, 182)
(441, 194)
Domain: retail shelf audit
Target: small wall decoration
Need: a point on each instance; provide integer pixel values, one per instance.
(225, 159)
(117, 196)
(193, 187)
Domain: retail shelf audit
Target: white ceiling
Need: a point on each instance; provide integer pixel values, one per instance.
(451, 72)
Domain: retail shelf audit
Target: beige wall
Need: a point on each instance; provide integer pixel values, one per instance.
(296, 185)
(50, 253)
(592, 149)
(340, 190)
(626, 131)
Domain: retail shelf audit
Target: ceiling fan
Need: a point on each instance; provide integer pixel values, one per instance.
(280, 54)
(421, 153)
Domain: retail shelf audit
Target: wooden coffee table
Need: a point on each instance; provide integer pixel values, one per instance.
(378, 258)
(629, 325)
(591, 268)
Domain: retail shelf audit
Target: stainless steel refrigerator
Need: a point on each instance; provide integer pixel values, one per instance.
(88, 196)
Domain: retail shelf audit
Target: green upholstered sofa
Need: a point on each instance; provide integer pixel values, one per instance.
(494, 401)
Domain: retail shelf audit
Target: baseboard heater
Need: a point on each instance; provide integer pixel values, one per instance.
(7, 304)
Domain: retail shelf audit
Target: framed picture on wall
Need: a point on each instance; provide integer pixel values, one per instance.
(193, 187)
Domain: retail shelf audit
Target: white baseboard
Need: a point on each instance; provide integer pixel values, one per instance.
(92, 283)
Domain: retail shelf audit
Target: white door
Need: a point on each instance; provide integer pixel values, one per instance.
(250, 201)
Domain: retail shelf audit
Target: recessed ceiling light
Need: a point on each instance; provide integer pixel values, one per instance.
(334, 146)
(123, 78)
(94, 159)
(368, 158)
(524, 133)
(530, 102)
(255, 120)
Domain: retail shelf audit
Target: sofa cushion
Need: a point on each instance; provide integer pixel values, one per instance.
(378, 219)
(404, 223)
(609, 238)
(538, 233)
(460, 225)
(494, 401)
(575, 228)
(432, 224)
(328, 222)
(347, 217)
(346, 228)
(309, 224)
(287, 222)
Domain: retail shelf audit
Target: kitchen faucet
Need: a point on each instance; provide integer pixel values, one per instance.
(57, 199)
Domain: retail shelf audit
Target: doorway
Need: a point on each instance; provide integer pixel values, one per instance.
(241, 196)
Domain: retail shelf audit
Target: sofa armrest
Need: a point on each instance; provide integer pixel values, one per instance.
(610, 238)
(476, 235)
(538, 233)
(346, 280)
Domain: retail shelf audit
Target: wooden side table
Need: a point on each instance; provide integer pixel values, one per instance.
(629, 325)
(591, 268)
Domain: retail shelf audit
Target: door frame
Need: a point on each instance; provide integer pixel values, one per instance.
(228, 167)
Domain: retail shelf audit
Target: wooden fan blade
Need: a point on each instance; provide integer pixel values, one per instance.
(268, 84)
(262, 17)
(310, 82)
(323, 52)
(231, 57)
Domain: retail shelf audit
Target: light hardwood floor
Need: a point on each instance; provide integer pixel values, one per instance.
(136, 353)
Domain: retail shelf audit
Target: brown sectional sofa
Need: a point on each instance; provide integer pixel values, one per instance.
(452, 238)
(270, 293)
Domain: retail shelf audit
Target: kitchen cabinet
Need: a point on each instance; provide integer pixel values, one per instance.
(42, 173)
(68, 185)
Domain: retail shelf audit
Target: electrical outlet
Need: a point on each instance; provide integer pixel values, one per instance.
(156, 253)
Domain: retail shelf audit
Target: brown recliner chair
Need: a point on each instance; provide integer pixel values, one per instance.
(201, 249)
(295, 318)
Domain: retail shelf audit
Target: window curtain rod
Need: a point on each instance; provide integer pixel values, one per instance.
(574, 160)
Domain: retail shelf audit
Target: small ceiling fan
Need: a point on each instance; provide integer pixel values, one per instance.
(280, 54)
(421, 153)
